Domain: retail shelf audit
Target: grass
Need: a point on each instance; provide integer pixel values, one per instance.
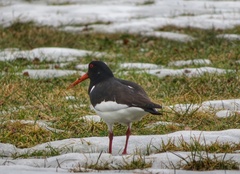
(201, 161)
(202, 156)
(147, 2)
(44, 99)
(136, 162)
(197, 144)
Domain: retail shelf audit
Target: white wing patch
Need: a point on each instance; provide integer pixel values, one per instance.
(130, 87)
(107, 106)
(92, 89)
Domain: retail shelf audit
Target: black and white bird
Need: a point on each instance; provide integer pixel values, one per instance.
(116, 100)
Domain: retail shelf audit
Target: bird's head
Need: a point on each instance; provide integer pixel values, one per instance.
(97, 72)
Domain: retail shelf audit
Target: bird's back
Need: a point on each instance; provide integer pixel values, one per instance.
(122, 92)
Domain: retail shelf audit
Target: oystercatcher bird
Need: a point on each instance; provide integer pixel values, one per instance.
(116, 100)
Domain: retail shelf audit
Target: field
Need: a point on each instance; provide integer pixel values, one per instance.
(38, 114)
(45, 99)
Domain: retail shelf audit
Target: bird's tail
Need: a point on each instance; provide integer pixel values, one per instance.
(152, 111)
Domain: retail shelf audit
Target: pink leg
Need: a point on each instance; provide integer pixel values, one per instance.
(128, 133)
(110, 142)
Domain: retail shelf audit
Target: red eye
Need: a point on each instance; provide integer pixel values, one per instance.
(91, 66)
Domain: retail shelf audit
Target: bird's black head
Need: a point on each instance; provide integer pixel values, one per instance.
(98, 71)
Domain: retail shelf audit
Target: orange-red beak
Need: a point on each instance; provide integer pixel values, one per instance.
(82, 78)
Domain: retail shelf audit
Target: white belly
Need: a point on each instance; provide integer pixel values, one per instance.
(122, 115)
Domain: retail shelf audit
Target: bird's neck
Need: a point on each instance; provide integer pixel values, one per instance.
(97, 82)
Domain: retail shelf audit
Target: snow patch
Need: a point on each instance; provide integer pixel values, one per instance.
(139, 65)
(92, 118)
(125, 16)
(70, 98)
(100, 144)
(54, 54)
(190, 62)
(189, 72)
(77, 152)
(162, 123)
(48, 73)
(231, 104)
(170, 35)
(223, 108)
(225, 113)
(81, 66)
(229, 36)
(42, 124)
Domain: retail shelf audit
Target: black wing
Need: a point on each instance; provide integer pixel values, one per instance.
(123, 92)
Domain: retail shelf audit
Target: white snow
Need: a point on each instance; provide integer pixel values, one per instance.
(41, 124)
(70, 98)
(225, 113)
(124, 16)
(93, 118)
(229, 36)
(75, 106)
(185, 108)
(81, 66)
(190, 62)
(189, 72)
(222, 108)
(24, 169)
(149, 68)
(231, 104)
(170, 35)
(152, 125)
(48, 73)
(11, 110)
(81, 151)
(55, 54)
(139, 65)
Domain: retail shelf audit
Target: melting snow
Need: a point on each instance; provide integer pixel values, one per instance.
(139, 65)
(41, 124)
(48, 73)
(190, 72)
(224, 108)
(70, 98)
(94, 118)
(49, 54)
(226, 113)
(125, 16)
(82, 151)
(14, 109)
(81, 66)
(190, 62)
(152, 125)
(231, 104)
(170, 35)
(229, 36)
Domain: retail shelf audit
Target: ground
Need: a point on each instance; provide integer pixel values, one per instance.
(185, 54)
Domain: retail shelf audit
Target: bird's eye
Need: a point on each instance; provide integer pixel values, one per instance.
(91, 66)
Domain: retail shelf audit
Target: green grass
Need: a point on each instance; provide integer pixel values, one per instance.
(202, 156)
(147, 2)
(45, 99)
(137, 162)
(201, 161)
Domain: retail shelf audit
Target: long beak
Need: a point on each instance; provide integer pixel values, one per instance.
(82, 78)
